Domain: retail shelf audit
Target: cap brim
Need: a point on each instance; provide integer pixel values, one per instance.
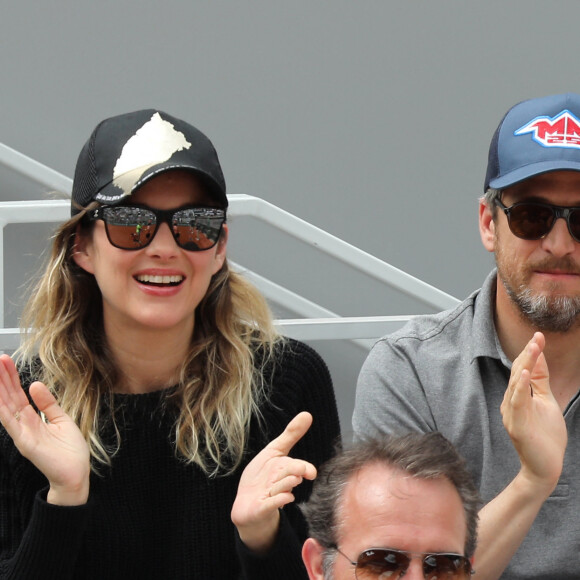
(531, 170)
(123, 186)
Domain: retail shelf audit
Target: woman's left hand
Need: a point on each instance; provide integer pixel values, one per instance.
(266, 485)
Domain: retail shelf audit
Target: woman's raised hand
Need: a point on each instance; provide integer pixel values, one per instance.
(266, 485)
(55, 445)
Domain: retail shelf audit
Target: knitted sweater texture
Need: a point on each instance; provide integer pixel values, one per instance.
(150, 515)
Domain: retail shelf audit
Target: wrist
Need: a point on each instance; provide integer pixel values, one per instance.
(70, 495)
(531, 487)
(259, 538)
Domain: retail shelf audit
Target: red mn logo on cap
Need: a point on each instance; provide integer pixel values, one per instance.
(563, 130)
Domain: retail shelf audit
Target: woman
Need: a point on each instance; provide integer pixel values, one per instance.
(151, 377)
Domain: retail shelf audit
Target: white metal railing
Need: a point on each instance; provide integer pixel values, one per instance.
(318, 323)
(49, 178)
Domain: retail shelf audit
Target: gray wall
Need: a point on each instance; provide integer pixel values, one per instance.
(369, 119)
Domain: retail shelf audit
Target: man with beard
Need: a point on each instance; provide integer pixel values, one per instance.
(453, 372)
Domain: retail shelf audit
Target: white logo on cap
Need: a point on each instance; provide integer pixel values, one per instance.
(155, 142)
(563, 130)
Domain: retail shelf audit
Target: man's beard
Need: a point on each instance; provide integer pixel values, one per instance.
(548, 314)
(556, 313)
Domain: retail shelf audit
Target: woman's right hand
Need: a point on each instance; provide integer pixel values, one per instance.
(55, 446)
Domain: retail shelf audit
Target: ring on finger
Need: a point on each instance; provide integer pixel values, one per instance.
(17, 415)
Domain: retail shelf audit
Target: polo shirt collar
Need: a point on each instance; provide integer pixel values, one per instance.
(485, 342)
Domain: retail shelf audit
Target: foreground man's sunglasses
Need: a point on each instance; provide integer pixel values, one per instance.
(379, 563)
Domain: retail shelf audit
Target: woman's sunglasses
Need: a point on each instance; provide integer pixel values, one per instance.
(132, 227)
(378, 563)
(532, 220)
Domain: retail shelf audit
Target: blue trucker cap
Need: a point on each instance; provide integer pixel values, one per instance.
(535, 136)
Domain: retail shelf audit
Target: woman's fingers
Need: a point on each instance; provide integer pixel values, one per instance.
(11, 394)
(15, 408)
(45, 402)
(294, 431)
(290, 467)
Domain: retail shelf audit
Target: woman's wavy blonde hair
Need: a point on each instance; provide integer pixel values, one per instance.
(221, 381)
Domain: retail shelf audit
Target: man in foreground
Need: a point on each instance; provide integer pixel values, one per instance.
(392, 507)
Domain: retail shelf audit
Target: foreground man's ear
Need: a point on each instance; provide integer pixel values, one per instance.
(312, 554)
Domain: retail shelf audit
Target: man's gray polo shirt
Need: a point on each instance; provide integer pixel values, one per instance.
(447, 372)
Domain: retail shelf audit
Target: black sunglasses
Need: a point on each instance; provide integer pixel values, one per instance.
(374, 562)
(132, 227)
(533, 220)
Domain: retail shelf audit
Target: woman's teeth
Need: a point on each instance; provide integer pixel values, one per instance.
(161, 280)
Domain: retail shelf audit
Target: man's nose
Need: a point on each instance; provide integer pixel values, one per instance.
(559, 241)
(415, 570)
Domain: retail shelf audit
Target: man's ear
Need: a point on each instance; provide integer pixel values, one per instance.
(486, 226)
(82, 250)
(312, 555)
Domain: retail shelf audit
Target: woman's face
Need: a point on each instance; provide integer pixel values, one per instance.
(134, 296)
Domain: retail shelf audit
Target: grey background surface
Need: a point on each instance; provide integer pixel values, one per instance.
(369, 119)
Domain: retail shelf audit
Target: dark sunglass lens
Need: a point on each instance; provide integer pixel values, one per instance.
(197, 229)
(129, 228)
(374, 564)
(451, 566)
(530, 221)
(574, 224)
